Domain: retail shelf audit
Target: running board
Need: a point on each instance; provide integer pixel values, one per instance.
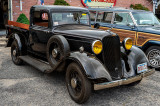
(40, 65)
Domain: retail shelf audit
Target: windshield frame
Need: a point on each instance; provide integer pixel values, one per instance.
(143, 12)
(52, 21)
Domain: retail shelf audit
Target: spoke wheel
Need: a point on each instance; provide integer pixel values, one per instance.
(79, 87)
(75, 83)
(15, 54)
(55, 53)
(153, 55)
(57, 50)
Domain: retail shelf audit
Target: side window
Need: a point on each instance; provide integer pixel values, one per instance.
(40, 19)
(123, 19)
(93, 15)
(100, 16)
(108, 17)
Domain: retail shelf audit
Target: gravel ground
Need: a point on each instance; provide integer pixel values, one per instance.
(26, 86)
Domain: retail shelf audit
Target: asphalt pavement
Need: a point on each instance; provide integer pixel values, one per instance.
(26, 86)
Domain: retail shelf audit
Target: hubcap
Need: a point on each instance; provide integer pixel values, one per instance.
(54, 53)
(14, 52)
(74, 83)
(158, 58)
(154, 58)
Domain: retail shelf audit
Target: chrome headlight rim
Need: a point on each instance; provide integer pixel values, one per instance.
(124, 43)
(94, 44)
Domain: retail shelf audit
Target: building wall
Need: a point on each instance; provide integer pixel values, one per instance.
(127, 3)
(26, 4)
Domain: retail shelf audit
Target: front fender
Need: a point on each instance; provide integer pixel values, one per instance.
(92, 67)
(135, 56)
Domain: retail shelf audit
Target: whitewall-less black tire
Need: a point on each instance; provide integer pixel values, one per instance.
(79, 87)
(15, 53)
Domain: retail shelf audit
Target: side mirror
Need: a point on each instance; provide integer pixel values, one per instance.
(131, 25)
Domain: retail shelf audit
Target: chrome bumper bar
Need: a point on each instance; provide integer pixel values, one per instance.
(100, 86)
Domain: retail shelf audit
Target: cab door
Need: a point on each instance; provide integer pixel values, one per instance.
(40, 31)
(124, 26)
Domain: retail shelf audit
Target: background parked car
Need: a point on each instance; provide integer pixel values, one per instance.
(142, 26)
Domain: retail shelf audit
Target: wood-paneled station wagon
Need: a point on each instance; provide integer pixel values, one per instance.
(142, 26)
(59, 38)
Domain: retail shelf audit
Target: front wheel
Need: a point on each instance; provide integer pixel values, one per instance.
(79, 87)
(153, 55)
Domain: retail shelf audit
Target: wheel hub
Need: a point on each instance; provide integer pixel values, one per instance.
(54, 53)
(74, 82)
(14, 52)
(158, 58)
(154, 57)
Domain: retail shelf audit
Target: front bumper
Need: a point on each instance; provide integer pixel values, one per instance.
(126, 81)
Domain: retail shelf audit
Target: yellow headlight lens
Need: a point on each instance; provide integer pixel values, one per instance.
(128, 43)
(97, 47)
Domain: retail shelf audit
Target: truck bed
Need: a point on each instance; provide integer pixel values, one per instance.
(16, 26)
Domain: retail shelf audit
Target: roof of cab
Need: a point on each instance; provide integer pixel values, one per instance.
(58, 8)
(116, 9)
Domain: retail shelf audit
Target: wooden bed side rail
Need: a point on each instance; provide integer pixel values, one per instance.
(17, 24)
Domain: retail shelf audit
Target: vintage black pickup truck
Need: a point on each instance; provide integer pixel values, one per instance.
(59, 38)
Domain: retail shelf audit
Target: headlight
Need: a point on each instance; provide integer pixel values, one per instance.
(97, 47)
(127, 43)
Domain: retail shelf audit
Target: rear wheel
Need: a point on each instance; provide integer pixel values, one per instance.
(153, 55)
(79, 87)
(15, 53)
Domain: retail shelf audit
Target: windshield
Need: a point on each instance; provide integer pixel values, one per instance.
(70, 18)
(146, 18)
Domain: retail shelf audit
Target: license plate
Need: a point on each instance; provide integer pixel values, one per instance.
(141, 67)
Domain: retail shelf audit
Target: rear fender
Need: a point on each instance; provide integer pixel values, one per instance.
(19, 40)
(91, 66)
(12, 38)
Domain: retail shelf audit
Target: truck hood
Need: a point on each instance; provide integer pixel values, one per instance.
(150, 29)
(85, 32)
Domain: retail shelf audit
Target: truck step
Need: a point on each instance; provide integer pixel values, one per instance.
(40, 65)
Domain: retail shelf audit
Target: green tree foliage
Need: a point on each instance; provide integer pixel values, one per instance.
(139, 7)
(23, 19)
(61, 2)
